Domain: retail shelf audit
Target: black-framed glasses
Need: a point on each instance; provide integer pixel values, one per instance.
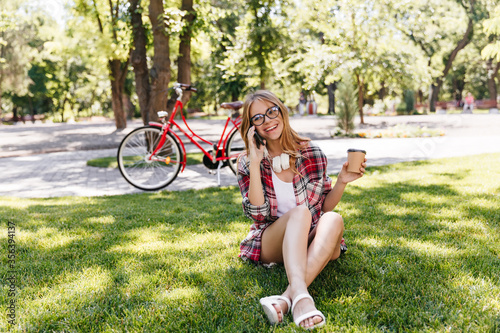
(271, 113)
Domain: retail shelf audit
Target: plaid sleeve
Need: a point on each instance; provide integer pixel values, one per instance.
(317, 183)
(327, 184)
(256, 213)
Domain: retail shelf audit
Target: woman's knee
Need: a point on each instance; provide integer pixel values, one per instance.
(301, 215)
(335, 226)
(333, 222)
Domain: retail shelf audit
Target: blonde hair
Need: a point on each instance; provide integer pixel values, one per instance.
(290, 141)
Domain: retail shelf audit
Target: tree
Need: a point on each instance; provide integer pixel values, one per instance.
(152, 84)
(214, 72)
(62, 73)
(258, 41)
(17, 47)
(491, 27)
(358, 37)
(441, 29)
(346, 104)
(139, 58)
(468, 6)
(160, 71)
(111, 18)
(184, 59)
(491, 52)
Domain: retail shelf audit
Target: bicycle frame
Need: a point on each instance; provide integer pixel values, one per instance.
(192, 136)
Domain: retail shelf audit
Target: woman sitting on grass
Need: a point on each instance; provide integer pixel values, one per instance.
(288, 195)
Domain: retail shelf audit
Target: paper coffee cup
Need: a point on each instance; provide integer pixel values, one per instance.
(355, 157)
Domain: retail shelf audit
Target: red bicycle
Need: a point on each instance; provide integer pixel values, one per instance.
(151, 157)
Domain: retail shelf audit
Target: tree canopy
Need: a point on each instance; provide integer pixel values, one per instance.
(118, 57)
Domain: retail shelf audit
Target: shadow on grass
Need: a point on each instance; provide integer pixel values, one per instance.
(421, 257)
(431, 256)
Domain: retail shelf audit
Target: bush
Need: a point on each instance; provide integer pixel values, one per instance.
(401, 108)
(347, 105)
(409, 98)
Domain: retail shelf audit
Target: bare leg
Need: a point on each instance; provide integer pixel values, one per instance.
(324, 244)
(286, 240)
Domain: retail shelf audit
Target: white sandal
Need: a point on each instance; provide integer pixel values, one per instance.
(267, 304)
(309, 314)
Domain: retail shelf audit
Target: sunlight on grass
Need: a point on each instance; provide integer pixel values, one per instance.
(101, 220)
(423, 255)
(430, 249)
(148, 241)
(180, 293)
(482, 290)
(143, 240)
(46, 238)
(81, 288)
(359, 298)
(371, 242)
(483, 203)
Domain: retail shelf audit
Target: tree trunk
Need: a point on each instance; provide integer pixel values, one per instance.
(184, 60)
(433, 98)
(331, 97)
(128, 106)
(160, 72)
(117, 70)
(492, 73)
(118, 73)
(62, 107)
(382, 91)
(262, 79)
(32, 109)
(360, 97)
(1, 110)
(139, 60)
(436, 87)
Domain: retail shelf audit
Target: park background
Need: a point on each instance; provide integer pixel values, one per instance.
(423, 236)
(72, 60)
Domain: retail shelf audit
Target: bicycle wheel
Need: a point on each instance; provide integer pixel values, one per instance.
(143, 172)
(234, 147)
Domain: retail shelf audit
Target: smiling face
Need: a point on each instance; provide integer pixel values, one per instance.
(271, 129)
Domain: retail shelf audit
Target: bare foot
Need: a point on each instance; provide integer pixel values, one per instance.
(306, 305)
(281, 309)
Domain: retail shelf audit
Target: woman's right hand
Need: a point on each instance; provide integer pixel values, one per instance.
(255, 193)
(256, 154)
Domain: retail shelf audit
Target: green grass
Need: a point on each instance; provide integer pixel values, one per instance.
(424, 255)
(110, 162)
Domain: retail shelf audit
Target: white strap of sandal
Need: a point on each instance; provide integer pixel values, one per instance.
(309, 315)
(300, 297)
(287, 301)
(275, 298)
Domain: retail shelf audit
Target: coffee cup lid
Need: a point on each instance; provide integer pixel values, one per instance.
(352, 150)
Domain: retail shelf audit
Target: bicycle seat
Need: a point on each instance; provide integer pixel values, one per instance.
(233, 105)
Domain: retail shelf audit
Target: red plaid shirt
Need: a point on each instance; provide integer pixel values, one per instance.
(310, 187)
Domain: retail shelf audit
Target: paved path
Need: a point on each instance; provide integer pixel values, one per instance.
(50, 160)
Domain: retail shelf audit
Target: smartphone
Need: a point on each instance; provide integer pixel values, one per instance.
(258, 140)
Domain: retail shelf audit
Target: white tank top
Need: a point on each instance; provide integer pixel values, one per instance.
(285, 195)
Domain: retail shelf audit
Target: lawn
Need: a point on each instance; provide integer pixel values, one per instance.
(424, 255)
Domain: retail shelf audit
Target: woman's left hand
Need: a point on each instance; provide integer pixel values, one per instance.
(347, 177)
